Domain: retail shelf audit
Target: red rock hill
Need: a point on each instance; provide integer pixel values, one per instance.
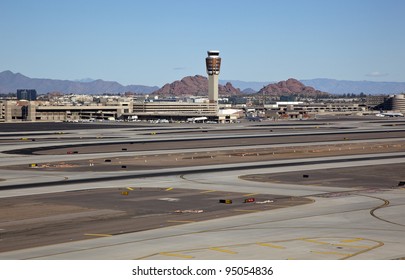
(193, 85)
(289, 87)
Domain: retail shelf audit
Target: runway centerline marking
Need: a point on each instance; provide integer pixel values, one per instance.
(179, 221)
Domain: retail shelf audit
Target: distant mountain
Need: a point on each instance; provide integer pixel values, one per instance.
(256, 86)
(85, 80)
(194, 85)
(249, 91)
(367, 87)
(334, 86)
(10, 82)
(290, 87)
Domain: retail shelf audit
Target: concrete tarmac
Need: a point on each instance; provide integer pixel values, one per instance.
(348, 217)
(329, 228)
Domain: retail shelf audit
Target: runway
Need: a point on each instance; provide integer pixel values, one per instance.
(353, 220)
(211, 169)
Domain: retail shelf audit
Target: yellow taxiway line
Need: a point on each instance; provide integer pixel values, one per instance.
(176, 255)
(315, 241)
(330, 253)
(98, 234)
(250, 194)
(222, 250)
(352, 246)
(270, 245)
(207, 191)
(351, 240)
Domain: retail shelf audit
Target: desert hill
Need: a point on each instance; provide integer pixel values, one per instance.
(193, 85)
(290, 87)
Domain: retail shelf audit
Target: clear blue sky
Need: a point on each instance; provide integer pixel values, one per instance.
(153, 42)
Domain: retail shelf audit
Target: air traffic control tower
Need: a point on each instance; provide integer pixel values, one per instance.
(213, 62)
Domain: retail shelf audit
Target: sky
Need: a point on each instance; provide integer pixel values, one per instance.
(154, 42)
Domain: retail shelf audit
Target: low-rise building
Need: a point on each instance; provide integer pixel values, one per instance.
(38, 111)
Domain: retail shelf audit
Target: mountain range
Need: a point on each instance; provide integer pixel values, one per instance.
(10, 82)
(367, 87)
(198, 85)
(330, 86)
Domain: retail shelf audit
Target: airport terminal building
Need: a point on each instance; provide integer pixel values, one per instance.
(14, 110)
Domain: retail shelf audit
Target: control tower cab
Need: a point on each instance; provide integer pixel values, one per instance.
(213, 62)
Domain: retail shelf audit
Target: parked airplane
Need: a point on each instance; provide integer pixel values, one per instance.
(392, 115)
(197, 119)
(254, 119)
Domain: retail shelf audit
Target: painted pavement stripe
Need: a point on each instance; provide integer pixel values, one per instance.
(222, 250)
(315, 241)
(330, 253)
(270, 245)
(207, 191)
(176, 255)
(351, 246)
(250, 194)
(351, 240)
(98, 234)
